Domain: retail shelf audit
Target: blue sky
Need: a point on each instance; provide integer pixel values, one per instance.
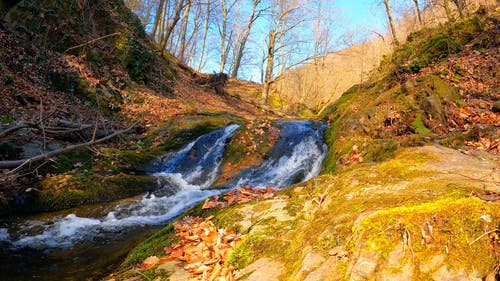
(356, 17)
(362, 13)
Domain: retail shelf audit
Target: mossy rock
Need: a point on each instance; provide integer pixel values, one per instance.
(455, 223)
(248, 147)
(394, 115)
(433, 44)
(67, 191)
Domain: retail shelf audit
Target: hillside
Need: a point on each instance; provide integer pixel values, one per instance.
(392, 203)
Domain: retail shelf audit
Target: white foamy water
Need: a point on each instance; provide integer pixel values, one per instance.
(299, 157)
(185, 175)
(149, 210)
(4, 234)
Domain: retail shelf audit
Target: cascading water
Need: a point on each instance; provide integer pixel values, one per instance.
(296, 157)
(186, 177)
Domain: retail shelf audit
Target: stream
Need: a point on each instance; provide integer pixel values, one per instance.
(89, 241)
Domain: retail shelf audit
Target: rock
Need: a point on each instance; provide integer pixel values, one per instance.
(432, 264)
(446, 274)
(326, 270)
(178, 273)
(365, 266)
(395, 257)
(262, 269)
(311, 261)
(402, 273)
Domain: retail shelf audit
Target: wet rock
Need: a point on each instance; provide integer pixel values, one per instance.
(262, 269)
(399, 265)
(403, 273)
(365, 266)
(395, 257)
(496, 107)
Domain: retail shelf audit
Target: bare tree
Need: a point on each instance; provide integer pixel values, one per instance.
(171, 22)
(185, 19)
(242, 40)
(225, 35)
(392, 25)
(158, 16)
(460, 4)
(449, 14)
(192, 41)
(419, 15)
(286, 16)
(208, 12)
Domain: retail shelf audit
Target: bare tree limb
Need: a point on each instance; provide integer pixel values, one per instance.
(92, 41)
(14, 164)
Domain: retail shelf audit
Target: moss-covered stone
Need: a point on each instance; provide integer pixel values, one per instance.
(248, 147)
(395, 115)
(67, 191)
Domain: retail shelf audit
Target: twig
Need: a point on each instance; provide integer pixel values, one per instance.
(92, 41)
(474, 178)
(407, 240)
(482, 235)
(40, 116)
(95, 129)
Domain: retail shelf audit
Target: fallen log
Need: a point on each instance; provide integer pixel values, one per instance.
(15, 164)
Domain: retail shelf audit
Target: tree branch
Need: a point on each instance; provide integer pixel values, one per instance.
(11, 164)
(92, 41)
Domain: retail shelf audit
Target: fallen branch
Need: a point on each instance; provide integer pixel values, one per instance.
(15, 164)
(13, 129)
(92, 41)
(482, 235)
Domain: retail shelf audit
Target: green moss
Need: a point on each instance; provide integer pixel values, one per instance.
(152, 246)
(66, 191)
(248, 147)
(137, 61)
(419, 126)
(256, 246)
(455, 222)
(66, 162)
(432, 44)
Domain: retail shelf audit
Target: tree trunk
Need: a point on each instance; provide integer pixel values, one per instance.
(419, 16)
(391, 22)
(179, 6)
(185, 20)
(460, 7)
(205, 32)
(223, 34)
(270, 66)
(159, 13)
(240, 45)
(447, 9)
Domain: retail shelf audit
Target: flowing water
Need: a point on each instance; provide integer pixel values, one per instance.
(90, 240)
